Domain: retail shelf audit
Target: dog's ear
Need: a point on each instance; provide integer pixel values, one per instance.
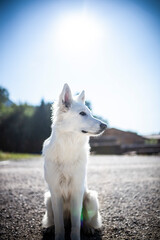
(81, 97)
(66, 96)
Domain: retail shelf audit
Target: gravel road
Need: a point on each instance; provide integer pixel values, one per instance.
(129, 195)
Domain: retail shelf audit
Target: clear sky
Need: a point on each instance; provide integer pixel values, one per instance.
(111, 49)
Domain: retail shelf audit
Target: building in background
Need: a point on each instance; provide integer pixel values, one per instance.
(115, 141)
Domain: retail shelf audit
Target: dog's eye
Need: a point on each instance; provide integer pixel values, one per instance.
(83, 113)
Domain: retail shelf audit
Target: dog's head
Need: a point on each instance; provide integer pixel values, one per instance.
(72, 115)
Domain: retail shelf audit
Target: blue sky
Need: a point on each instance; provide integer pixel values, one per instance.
(111, 49)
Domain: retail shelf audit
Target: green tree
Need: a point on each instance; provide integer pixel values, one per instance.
(40, 126)
(14, 130)
(4, 95)
(88, 104)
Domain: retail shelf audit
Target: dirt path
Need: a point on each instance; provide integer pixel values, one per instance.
(129, 194)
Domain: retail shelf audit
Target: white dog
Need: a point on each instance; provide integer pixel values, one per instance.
(66, 152)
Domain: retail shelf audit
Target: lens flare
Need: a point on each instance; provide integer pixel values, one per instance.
(78, 31)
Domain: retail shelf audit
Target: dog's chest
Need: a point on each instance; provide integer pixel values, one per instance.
(65, 185)
(65, 170)
(65, 180)
(69, 177)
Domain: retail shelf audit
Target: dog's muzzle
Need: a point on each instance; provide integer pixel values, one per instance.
(103, 126)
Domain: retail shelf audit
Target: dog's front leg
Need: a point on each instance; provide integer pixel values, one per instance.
(57, 206)
(76, 208)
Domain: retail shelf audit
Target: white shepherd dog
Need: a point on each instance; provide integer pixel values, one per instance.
(66, 152)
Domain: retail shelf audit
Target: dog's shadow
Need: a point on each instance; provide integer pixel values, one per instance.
(49, 234)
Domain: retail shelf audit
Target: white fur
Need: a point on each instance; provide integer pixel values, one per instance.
(66, 152)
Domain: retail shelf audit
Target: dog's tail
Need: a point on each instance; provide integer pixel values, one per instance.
(48, 219)
(91, 215)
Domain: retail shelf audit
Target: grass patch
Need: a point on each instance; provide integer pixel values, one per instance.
(16, 156)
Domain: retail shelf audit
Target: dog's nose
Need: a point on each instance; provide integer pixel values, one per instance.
(103, 126)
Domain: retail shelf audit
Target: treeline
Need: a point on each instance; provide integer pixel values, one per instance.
(23, 128)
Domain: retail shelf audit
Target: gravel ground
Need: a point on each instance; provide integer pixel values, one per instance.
(129, 195)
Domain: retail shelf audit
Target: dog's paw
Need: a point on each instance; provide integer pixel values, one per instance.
(88, 230)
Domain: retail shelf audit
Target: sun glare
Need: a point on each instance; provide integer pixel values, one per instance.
(77, 32)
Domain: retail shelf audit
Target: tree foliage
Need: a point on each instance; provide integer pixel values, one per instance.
(23, 128)
(4, 95)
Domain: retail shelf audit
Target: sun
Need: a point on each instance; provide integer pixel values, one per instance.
(77, 32)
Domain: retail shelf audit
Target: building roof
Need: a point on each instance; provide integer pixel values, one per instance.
(123, 137)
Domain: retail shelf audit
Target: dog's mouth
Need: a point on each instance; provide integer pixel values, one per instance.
(83, 131)
(92, 133)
